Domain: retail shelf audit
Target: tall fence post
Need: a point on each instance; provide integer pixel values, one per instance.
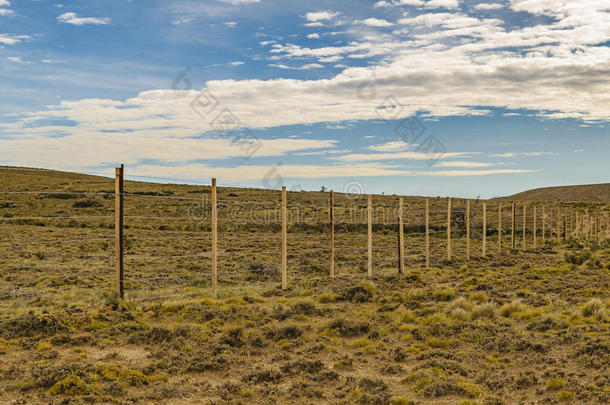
(484, 228)
(331, 213)
(543, 225)
(118, 229)
(535, 227)
(370, 235)
(558, 235)
(401, 238)
(449, 228)
(284, 241)
(499, 227)
(565, 227)
(524, 226)
(467, 230)
(512, 231)
(427, 232)
(214, 240)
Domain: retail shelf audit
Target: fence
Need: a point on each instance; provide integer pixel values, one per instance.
(291, 233)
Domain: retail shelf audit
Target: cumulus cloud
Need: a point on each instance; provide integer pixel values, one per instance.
(488, 6)
(391, 146)
(375, 22)
(74, 19)
(6, 12)
(320, 16)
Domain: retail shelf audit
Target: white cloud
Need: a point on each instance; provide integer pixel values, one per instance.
(488, 6)
(5, 3)
(8, 39)
(442, 4)
(578, 150)
(6, 12)
(313, 36)
(375, 22)
(52, 61)
(303, 67)
(515, 154)
(320, 16)
(391, 146)
(72, 18)
(230, 24)
(236, 63)
(371, 157)
(17, 59)
(399, 3)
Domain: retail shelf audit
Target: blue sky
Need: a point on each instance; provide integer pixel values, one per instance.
(503, 95)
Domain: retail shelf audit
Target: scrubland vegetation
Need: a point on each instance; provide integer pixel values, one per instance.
(511, 328)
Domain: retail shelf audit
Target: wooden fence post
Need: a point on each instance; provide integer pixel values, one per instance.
(484, 228)
(331, 213)
(597, 230)
(214, 240)
(401, 238)
(427, 232)
(284, 241)
(558, 225)
(543, 225)
(499, 227)
(467, 230)
(535, 227)
(524, 226)
(118, 229)
(370, 235)
(449, 228)
(513, 221)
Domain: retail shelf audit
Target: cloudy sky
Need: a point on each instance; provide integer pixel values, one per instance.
(429, 97)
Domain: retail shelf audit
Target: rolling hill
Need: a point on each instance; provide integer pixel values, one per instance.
(589, 192)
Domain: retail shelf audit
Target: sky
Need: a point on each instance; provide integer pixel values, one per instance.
(474, 98)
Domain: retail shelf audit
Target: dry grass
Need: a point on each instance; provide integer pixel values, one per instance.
(504, 329)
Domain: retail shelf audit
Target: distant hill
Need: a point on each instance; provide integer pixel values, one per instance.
(589, 192)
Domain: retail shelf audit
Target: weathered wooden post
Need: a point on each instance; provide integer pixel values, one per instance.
(449, 228)
(467, 230)
(558, 235)
(331, 213)
(370, 235)
(118, 229)
(535, 227)
(524, 226)
(499, 227)
(484, 228)
(427, 232)
(214, 240)
(401, 238)
(513, 222)
(284, 241)
(543, 225)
